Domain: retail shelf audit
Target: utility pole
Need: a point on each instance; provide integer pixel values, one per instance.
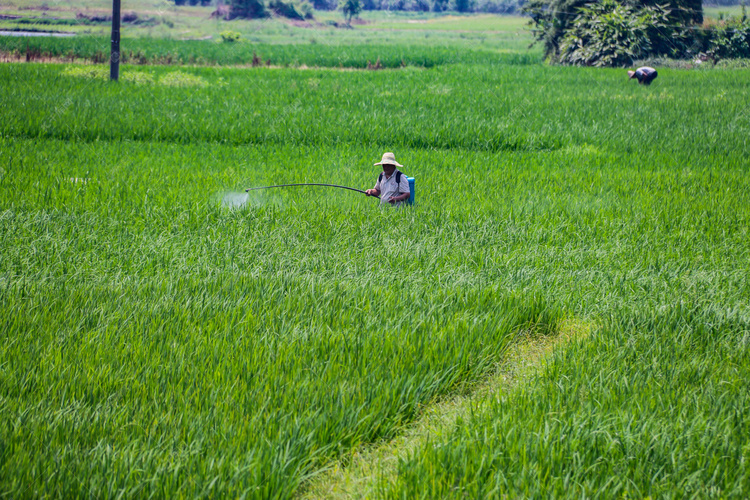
(114, 57)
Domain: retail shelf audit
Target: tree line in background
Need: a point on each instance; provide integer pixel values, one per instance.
(578, 32)
(304, 9)
(487, 6)
(259, 8)
(619, 32)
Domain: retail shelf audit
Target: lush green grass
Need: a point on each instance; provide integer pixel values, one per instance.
(677, 117)
(198, 367)
(157, 342)
(654, 405)
(312, 52)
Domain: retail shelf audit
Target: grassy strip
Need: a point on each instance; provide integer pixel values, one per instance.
(363, 473)
(199, 52)
(598, 238)
(652, 406)
(678, 116)
(393, 28)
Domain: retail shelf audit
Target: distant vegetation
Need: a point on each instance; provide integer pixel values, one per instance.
(724, 3)
(615, 33)
(489, 6)
(81, 19)
(248, 9)
(193, 2)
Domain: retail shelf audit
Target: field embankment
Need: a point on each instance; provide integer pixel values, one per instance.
(364, 472)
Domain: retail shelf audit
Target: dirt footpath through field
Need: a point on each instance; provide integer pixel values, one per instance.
(370, 466)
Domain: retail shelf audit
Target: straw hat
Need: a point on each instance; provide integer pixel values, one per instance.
(389, 159)
(631, 74)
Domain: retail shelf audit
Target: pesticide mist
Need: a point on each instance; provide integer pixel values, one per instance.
(234, 200)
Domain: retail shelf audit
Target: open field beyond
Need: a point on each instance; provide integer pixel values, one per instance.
(164, 334)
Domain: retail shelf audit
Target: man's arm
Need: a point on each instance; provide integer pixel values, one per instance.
(374, 191)
(401, 197)
(403, 189)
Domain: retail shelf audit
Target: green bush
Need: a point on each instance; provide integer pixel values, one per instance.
(306, 9)
(611, 34)
(731, 39)
(230, 36)
(350, 9)
(553, 20)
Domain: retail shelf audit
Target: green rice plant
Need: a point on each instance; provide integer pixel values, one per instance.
(410, 108)
(651, 406)
(203, 52)
(191, 350)
(242, 349)
(157, 341)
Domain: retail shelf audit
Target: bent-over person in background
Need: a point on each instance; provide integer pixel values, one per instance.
(645, 75)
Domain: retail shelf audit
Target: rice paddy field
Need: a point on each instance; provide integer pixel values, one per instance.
(165, 334)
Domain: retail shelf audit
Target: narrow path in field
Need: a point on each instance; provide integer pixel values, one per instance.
(358, 475)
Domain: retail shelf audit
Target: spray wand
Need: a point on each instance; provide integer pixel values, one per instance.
(310, 184)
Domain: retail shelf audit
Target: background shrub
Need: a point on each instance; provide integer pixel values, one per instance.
(668, 29)
(731, 39)
(611, 34)
(230, 36)
(248, 9)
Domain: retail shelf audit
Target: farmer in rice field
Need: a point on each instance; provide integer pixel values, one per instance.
(645, 75)
(392, 185)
